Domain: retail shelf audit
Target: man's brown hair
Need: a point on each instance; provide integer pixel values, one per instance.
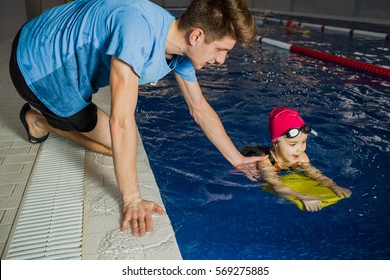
(220, 18)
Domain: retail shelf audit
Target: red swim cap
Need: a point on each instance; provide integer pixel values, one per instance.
(282, 119)
(290, 23)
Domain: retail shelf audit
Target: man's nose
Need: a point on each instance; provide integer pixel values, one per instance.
(221, 59)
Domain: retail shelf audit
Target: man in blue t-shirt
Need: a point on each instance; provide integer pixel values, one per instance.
(63, 56)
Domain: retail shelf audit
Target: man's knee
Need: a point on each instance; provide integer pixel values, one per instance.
(85, 120)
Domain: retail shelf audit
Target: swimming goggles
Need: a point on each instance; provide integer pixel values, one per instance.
(294, 132)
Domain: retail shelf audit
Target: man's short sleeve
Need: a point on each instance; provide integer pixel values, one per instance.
(185, 69)
(130, 39)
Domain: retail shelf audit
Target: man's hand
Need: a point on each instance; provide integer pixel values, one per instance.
(138, 213)
(248, 165)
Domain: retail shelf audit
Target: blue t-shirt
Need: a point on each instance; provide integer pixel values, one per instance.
(65, 54)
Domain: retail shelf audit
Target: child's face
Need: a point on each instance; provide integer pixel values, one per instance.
(291, 150)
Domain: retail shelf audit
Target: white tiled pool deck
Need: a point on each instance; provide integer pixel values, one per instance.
(101, 238)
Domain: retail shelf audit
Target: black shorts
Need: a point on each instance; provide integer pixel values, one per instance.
(83, 121)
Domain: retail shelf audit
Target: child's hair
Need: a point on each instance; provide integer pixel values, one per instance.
(254, 150)
(220, 18)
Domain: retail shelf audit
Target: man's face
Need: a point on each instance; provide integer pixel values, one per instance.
(202, 54)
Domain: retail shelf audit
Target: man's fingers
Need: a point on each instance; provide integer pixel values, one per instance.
(149, 223)
(140, 218)
(134, 227)
(141, 226)
(158, 209)
(125, 221)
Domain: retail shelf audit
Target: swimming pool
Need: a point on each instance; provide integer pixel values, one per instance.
(217, 213)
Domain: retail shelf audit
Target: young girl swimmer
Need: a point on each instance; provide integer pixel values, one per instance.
(290, 29)
(289, 134)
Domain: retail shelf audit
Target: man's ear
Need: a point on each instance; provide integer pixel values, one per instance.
(196, 36)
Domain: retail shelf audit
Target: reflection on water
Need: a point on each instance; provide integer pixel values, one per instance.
(211, 205)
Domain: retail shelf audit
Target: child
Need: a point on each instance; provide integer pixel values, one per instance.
(289, 134)
(290, 29)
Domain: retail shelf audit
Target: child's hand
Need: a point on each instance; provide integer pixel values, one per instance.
(341, 191)
(312, 205)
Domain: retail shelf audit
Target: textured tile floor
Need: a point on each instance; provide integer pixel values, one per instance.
(17, 156)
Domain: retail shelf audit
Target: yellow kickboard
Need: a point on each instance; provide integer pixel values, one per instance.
(303, 184)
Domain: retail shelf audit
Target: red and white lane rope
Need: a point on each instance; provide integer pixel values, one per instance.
(350, 63)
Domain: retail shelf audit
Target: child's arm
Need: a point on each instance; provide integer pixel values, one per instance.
(268, 174)
(317, 175)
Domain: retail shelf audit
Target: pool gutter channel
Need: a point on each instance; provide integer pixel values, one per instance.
(49, 222)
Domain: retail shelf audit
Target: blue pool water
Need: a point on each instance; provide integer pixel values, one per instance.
(217, 213)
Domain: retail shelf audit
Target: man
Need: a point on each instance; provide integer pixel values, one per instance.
(65, 55)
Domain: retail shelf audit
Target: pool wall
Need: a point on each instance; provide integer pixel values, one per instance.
(345, 8)
(14, 13)
(357, 9)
